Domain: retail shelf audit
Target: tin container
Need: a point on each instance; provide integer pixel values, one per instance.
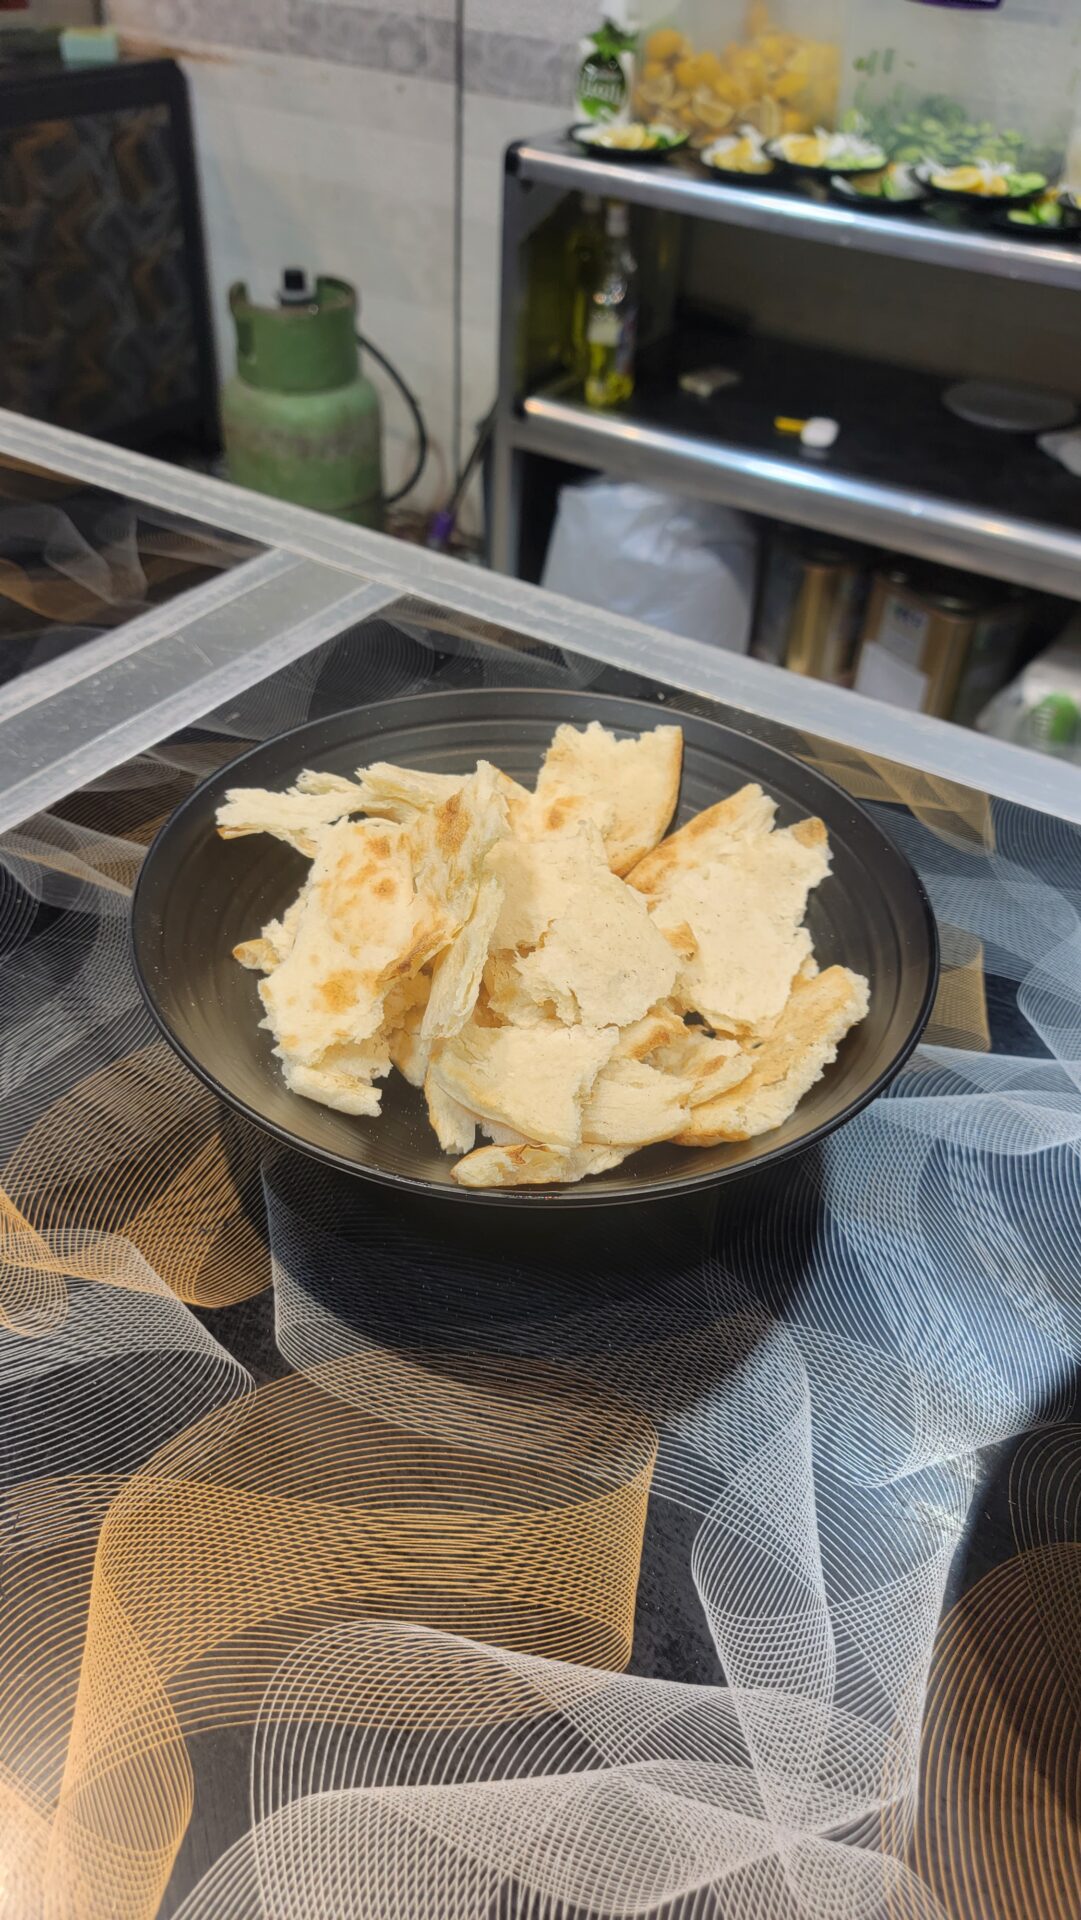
(810, 606)
(940, 643)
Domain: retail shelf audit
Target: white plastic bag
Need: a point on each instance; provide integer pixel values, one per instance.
(1042, 707)
(685, 565)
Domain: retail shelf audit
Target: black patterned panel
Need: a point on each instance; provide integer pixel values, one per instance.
(100, 309)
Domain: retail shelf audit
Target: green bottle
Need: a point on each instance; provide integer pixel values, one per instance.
(585, 248)
(612, 315)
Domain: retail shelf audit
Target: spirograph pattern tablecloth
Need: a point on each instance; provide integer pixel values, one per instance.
(371, 1559)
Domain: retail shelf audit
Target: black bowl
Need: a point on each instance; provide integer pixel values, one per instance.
(844, 194)
(1065, 235)
(822, 170)
(197, 896)
(980, 203)
(732, 177)
(628, 155)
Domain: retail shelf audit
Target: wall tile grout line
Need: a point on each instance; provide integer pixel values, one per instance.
(415, 45)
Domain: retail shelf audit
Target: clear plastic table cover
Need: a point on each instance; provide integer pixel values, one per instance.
(372, 1558)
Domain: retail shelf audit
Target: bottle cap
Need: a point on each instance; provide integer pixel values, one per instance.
(819, 433)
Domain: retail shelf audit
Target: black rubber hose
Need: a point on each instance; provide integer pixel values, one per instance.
(413, 404)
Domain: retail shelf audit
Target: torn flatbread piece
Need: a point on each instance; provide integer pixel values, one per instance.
(275, 944)
(627, 788)
(300, 818)
(459, 970)
(403, 1012)
(356, 930)
(504, 1000)
(402, 792)
(343, 1078)
(321, 780)
(449, 843)
(745, 911)
(455, 1127)
(746, 815)
(540, 878)
(602, 961)
(533, 1079)
(709, 1065)
(634, 1105)
(643, 1038)
(259, 956)
(819, 1013)
(530, 1166)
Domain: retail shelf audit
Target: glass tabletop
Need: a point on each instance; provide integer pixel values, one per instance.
(79, 561)
(366, 1555)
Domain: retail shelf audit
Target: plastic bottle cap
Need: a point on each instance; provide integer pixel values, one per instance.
(819, 433)
(294, 290)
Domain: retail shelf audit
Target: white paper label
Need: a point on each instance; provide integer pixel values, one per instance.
(903, 629)
(882, 676)
(604, 329)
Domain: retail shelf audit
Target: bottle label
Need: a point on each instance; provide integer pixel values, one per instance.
(605, 72)
(602, 87)
(604, 330)
(617, 332)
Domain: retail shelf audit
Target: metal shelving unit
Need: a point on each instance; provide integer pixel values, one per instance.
(679, 186)
(1030, 535)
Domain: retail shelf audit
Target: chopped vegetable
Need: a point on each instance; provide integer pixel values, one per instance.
(1047, 212)
(935, 127)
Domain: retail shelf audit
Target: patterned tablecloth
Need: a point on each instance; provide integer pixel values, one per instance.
(367, 1558)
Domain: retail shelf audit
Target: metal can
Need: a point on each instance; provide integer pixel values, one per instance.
(810, 605)
(939, 643)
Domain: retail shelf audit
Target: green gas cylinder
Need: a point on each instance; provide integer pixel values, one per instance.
(299, 419)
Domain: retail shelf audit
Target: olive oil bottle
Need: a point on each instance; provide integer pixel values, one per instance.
(585, 248)
(612, 315)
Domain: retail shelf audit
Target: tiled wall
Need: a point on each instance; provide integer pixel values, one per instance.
(367, 141)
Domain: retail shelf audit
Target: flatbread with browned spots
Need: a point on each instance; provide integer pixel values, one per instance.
(746, 815)
(299, 817)
(745, 911)
(356, 931)
(626, 788)
(531, 1166)
(820, 1012)
(533, 1079)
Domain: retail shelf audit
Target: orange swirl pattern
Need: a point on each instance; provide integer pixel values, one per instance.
(143, 1158)
(519, 1524)
(999, 1836)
